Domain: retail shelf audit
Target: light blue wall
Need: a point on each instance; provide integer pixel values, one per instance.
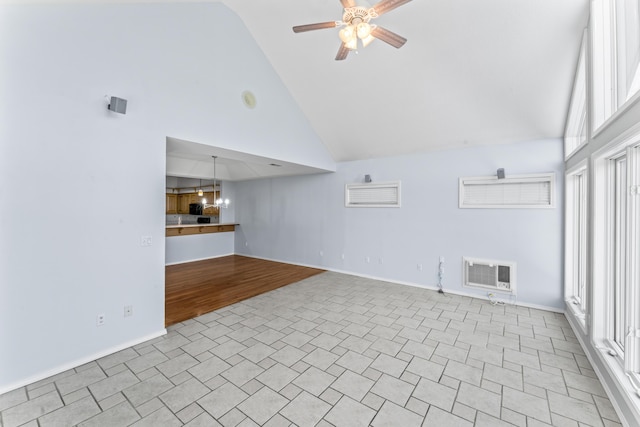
(196, 247)
(80, 186)
(294, 219)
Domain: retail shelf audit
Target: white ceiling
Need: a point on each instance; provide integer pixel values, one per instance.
(473, 72)
(188, 159)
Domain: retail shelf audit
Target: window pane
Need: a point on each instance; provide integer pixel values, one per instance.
(628, 39)
(619, 280)
(581, 219)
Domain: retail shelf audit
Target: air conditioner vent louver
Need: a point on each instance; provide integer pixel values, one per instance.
(487, 274)
(373, 195)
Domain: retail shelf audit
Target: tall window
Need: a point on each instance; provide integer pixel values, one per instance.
(616, 269)
(628, 47)
(615, 56)
(618, 245)
(576, 240)
(575, 134)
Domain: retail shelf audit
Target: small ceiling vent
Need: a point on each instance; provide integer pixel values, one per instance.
(378, 195)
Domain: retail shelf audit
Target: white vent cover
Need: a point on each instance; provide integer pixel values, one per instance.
(384, 195)
(519, 191)
(494, 275)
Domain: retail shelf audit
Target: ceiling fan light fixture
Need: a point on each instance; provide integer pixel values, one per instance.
(352, 44)
(367, 41)
(356, 25)
(363, 30)
(347, 34)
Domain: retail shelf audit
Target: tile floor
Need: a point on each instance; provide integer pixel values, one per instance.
(335, 350)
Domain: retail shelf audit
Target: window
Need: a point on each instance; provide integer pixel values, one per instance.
(603, 102)
(615, 56)
(576, 240)
(616, 269)
(617, 223)
(516, 191)
(628, 47)
(576, 131)
(381, 195)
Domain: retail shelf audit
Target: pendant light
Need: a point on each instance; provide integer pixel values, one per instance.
(217, 202)
(200, 192)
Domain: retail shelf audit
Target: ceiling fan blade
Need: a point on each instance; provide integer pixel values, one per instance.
(388, 5)
(342, 52)
(390, 37)
(348, 3)
(318, 26)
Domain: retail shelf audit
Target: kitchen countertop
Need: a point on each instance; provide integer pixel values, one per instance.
(199, 225)
(190, 229)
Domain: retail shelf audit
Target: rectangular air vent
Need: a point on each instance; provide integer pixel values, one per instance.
(494, 275)
(378, 195)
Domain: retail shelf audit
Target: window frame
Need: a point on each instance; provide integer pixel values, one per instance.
(549, 178)
(624, 363)
(577, 241)
(350, 190)
(611, 95)
(576, 129)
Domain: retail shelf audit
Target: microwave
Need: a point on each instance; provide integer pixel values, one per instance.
(195, 209)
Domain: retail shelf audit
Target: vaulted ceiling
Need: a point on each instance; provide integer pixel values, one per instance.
(473, 72)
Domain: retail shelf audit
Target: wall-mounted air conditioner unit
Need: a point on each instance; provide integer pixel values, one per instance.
(499, 276)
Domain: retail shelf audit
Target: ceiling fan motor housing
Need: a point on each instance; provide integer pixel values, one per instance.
(358, 14)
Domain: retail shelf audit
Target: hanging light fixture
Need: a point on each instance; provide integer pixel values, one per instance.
(217, 202)
(357, 27)
(200, 192)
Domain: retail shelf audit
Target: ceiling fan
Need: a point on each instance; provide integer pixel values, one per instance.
(355, 20)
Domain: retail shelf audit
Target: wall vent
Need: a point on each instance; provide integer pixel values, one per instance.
(493, 275)
(378, 195)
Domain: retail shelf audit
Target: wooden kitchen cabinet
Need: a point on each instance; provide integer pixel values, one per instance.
(172, 204)
(183, 203)
(194, 198)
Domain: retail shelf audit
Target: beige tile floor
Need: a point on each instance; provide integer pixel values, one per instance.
(335, 350)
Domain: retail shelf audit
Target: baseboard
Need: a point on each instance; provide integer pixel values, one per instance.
(79, 362)
(615, 396)
(413, 284)
(200, 259)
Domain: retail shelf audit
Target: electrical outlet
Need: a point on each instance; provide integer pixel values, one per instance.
(321, 253)
(342, 257)
(100, 319)
(419, 267)
(367, 260)
(146, 241)
(128, 310)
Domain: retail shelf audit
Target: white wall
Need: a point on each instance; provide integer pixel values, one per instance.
(72, 250)
(196, 247)
(293, 219)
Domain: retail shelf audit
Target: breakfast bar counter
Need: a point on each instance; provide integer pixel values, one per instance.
(190, 229)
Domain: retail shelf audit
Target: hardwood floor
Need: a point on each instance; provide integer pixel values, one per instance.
(196, 288)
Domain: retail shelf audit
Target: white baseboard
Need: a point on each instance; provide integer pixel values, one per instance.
(200, 259)
(617, 395)
(78, 362)
(413, 284)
